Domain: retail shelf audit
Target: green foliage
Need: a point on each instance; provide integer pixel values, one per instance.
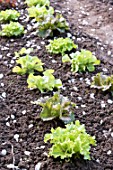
(57, 106)
(50, 23)
(28, 64)
(39, 12)
(60, 46)
(83, 60)
(70, 141)
(23, 51)
(12, 29)
(9, 15)
(103, 82)
(44, 83)
(37, 3)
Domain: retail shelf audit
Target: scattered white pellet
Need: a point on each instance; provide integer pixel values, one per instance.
(84, 113)
(4, 95)
(1, 76)
(101, 121)
(105, 69)
(109, 52)
(92, 96)
(30, 126)
(8, 124)
(112, 134)
(16, 137)
(79, 98)
(12, 116)
(75, 88)
(54, 61)
(2, 84)
(103, 104)
(38, 166)
(27, 153)
(42, 147)
(3, 152)
(110, 101)
(24, 112)
(83, 105)
(69, 35)
(109, 152)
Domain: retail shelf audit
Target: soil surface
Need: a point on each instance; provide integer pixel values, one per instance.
(21, 130)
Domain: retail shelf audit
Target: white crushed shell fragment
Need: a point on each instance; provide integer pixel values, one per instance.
(1, 76)
(112, 134)
(109, 152)
(109, 52)
(42, 147)
(84, 113)
(27, 153)
(12, 61)
(69, 35)
(24, 112)
(0, 56)
(4, 94)
(81, 79)
(54, 61)
(98, 160)
(45, 153)
(2, 84)
(101, 121)
(79, 98)
(30, 126)
(16, 137)
(110, 101)
(42, 42)
(103, 104)
(3, 152)
(83, 105)
(14, 121)
(92, 96)
(12, 166)
(104, 69)
(12, 116)
(75, 88)
(38, 166)
(8, 124)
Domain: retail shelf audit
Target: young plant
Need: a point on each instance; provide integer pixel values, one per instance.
(39, 12)
(23, 51)
(44, 83)
(103, 82)
(56, 106)
(69, 142)
(9, 15)
(48, 24)
(28, 64)
(83, 60)
(12, 29)
(60, 46)
(37, 3)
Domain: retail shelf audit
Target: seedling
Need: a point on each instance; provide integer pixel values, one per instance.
(28, 64)
(82, 61)
(61, 46)
(12, 29)
(9, 15)
(56, 106)
(69, 142)
(103, 82)
(44, 83)
(48, 24)
(37, 3)
(39, 12)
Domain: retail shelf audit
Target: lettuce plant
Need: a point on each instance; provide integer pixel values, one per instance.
(103, 82)
(50, 23)
(56, 106)
(23, 51)
(60, 46)
(37, 2)
(28, 64)
(39, 12)
(9, 15)
(70, 141)
(12, 29)
(44, 83)
(83, 60)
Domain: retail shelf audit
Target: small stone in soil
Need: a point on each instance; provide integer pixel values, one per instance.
(27, 153)
(16, 137)
(3, 152)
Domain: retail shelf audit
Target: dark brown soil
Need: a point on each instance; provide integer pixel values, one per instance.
(19, 117)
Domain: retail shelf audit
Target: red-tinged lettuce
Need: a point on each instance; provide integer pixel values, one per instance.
(44, 83)
(56, 106)
(69, 142)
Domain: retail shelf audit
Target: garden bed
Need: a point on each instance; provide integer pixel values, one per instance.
(19, 117)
